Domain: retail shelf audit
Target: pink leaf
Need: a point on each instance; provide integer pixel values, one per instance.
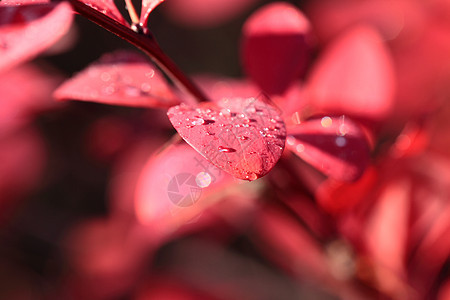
(275, 46)
(174, 188)
(244, 137)
(217, 87)
(120, 78)
(106, 7)
(147, 8)
(354, 76)
(25, 91)
(334, 145)
(27, 30)
(386, 232)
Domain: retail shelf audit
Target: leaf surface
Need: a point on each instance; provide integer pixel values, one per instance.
(27, 30)
(336, 146)
(174, 186)
(244, 137)
(106, 7)
(275, 46)
(120, 78)
(354, 76)
(147, 7)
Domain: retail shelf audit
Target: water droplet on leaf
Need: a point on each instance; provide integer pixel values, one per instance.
(226, 149)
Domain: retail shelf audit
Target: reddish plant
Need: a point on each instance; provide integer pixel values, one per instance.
(318, 155)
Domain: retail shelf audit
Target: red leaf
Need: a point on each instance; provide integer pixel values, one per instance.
(244, 137)
(217, 87)
(22, 160)
(290, 245)
(386, 232)
(25, 91)
(337, 197)
(275, 46)
(355, 77)
(174, 188)
(120, 78)
(334, 145)
(108, 8)
(147, 8)
(27, 30)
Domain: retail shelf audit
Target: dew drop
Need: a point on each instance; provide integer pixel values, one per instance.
(207, 122)
(251, 177)
(290, 140)
(150, 74)
(326, 122)
(300, 148)
(203, 179)
(226, 149)
(250, 109)
(146, 87)
(341, 141)
(243, 137)
(132, 91)
(198, 121)
(225, 112)
(109, 90)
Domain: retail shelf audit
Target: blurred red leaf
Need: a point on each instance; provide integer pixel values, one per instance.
(147, 7)
(395, 20)
(354, 76)
(105, 257)
(106, 7)
(275, 46)
(286, 242)
(22, 159)
(244, 137)
(336, 146)
(174, 186)
(217, 87)
(120, 78)
(27, 28)
(387, 232)
(25, 91)
(337, 197)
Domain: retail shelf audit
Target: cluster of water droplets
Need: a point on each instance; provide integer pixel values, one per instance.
(239, 129)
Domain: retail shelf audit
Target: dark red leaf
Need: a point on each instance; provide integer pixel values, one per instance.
(244, 137)
(275, 46)
(120, 78)
(27, 30)
(108, 8)
(147, 8)
(336, 146)
(355, 77)
(337, 197)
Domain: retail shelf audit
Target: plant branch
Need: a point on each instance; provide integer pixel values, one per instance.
(144, 41)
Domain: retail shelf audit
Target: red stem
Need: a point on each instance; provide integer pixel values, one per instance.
(144, 41)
